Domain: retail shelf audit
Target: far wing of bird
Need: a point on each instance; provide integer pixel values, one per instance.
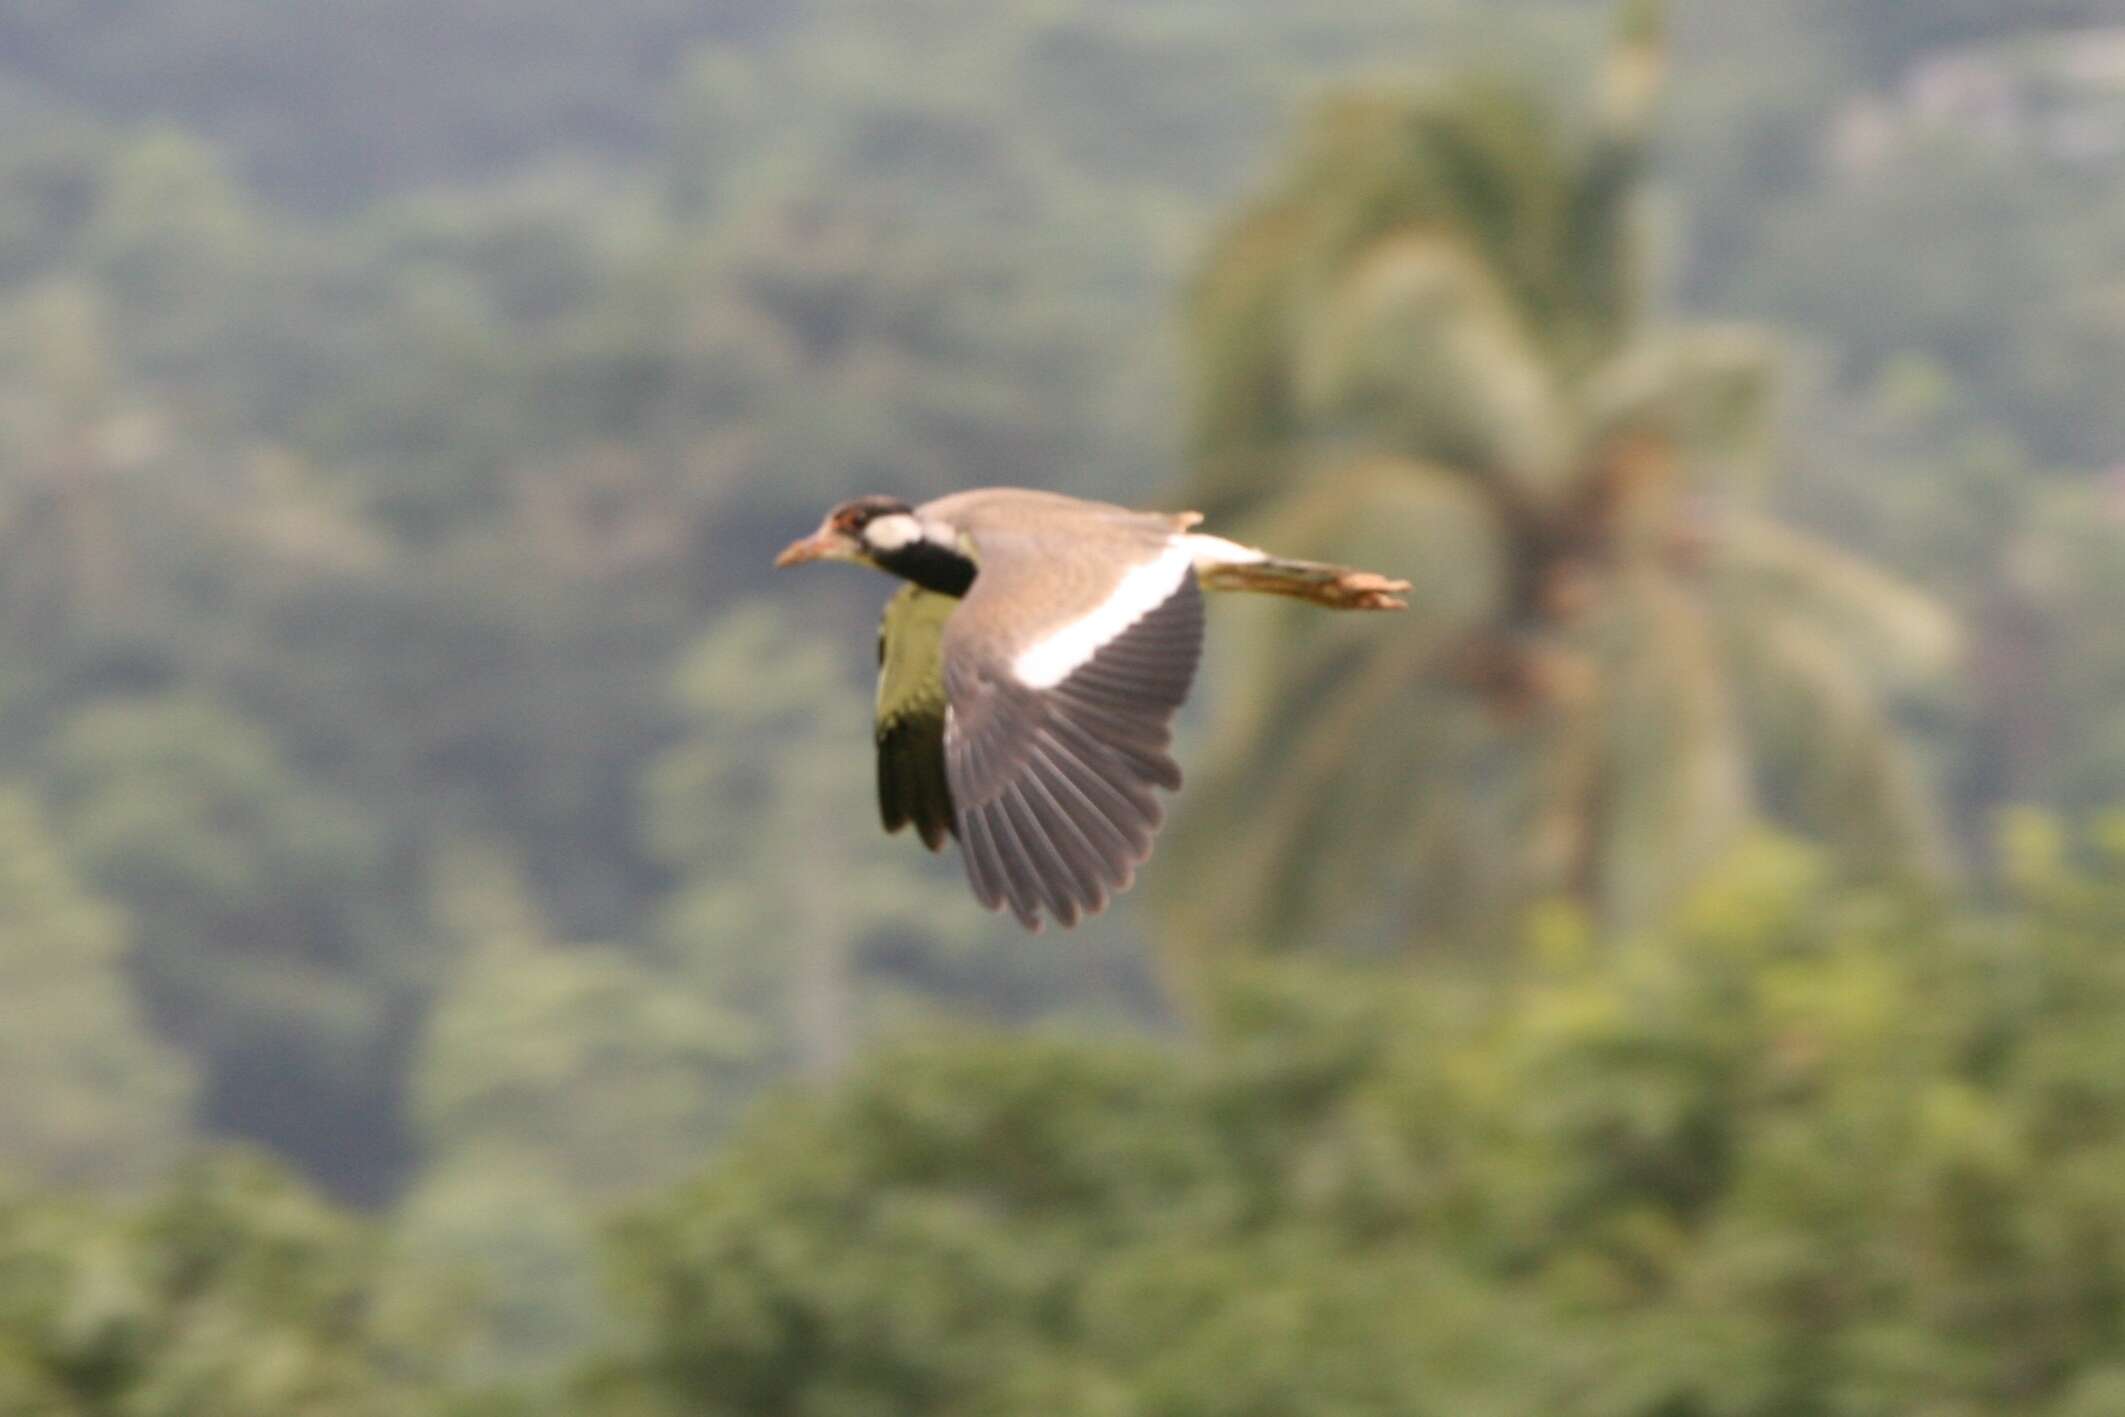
(911, 710)
(1062, 680)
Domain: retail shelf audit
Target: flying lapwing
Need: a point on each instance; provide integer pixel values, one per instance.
(1030, 670)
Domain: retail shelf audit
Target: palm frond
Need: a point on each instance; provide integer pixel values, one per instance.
(1418, 340)
(1708, 388)
(1677, 791)
(1603, 249)
(1351, 707)
(1248, 866)
(1633, 74)
(1828, 757)
(1239, 330)
(1901, 631)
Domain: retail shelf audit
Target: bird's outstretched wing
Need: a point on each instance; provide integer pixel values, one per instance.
(1058, 723)
(911, 710)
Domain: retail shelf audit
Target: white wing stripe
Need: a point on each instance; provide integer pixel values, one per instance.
(1210, 552)
(1142, 590)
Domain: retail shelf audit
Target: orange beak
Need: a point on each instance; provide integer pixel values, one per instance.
(820, 545)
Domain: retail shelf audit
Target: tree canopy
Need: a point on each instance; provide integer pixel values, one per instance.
(1803, 1151)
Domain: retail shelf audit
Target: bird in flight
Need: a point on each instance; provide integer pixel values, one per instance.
(1030, 669)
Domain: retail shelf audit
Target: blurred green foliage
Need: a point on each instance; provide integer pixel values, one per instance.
(1803, 1151)
(263, 959)
(404, 767)
(234, 1291)
(1729, 1166)
(554, 1078)
(92, 1094)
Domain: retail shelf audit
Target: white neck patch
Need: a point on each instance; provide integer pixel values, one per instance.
(891, 532)
(1061, 653)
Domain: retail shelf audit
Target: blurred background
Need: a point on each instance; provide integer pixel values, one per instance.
(448, 963)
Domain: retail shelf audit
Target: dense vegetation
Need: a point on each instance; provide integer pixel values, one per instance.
(413, 800)
(1726, 1169)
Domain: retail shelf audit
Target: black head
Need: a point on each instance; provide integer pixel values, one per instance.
(885, 533)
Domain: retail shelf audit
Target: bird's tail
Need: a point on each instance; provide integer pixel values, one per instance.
(1227, 565)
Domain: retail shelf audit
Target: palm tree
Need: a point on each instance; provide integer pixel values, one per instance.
(1430, 347)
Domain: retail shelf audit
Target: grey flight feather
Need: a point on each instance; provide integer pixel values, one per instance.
(1054, 788)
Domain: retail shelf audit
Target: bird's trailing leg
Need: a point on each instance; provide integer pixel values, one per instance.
(1227, 565)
